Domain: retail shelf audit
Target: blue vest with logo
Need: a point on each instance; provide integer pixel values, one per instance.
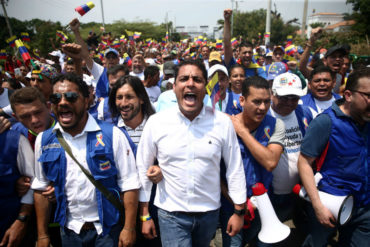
(309, 100)
(233, 106)
(9, 200)
(101, 165)
(304, 117)
(102, 86)
(345, 168)
(254, 172)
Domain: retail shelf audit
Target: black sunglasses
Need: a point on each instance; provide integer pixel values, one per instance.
(69, 96)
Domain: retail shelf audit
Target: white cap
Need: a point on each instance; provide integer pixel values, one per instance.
(217, 67)
(287, 84)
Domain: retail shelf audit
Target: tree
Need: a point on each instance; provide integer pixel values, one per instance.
(361, 15)
(317, 24)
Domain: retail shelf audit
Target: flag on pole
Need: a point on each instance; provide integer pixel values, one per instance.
(63, 37)
(123, 39)
(83, 9)
(234, 41)
(25, 37)
(115, 44)
(219, 44)
(130, 34)
(23, 51)
(36, 54)
(289, 39)
(290, 50)
(137, 35)
(213, 90)
(267, 35)
(11, 41)
(3, 54)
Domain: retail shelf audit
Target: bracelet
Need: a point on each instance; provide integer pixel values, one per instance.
(44, 237)
(129, 229)
(145, 218)
(308, 44)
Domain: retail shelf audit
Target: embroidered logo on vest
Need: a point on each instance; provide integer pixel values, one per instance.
(52, 145)
(267, 132)
(105, 166)
(99, 138)
(305, 122)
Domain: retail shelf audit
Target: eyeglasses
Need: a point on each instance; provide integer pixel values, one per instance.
(367, 95)
(69, 96)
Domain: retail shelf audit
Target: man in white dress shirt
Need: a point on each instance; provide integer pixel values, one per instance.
(189, 141)
(86, 217)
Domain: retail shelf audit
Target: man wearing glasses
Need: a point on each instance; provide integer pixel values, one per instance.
(85, 215)
(340, 138)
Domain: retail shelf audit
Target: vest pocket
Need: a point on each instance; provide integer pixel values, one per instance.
(50, 163)
(103, 164)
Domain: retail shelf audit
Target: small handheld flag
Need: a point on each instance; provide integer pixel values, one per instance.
(25, 37)
(3, 54)
(11, 41)
(234, 41)
(213, 90)
(83, 9)
(23, 51)
(137, 35)
(62, 35)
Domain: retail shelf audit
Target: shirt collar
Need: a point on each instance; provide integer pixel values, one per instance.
(91, 126)
(200, 115)
(121, 123)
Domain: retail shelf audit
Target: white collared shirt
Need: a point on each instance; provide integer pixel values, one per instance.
(189, 154)
(80, 192)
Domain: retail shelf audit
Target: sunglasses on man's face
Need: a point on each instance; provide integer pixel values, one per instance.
(69, 96)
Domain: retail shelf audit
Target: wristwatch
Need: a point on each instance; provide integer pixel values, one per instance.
(22, 218)
(239, 212)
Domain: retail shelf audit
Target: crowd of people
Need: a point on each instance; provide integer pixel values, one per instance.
(151, 145)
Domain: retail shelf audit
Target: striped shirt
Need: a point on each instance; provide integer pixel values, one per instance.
(135, 134)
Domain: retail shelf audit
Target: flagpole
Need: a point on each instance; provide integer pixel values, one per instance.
(102, 12)
(268, 22)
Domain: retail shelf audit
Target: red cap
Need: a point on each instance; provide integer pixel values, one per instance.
(297, 189)
(258, 189)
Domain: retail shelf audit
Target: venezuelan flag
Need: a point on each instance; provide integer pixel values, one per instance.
(3, 54)
(290, 50)
(115, 43)
(123, 39)
(25, 37)
(213, 90)
(289, 39)
(219, 44)
(62, 35)
(137, 35)
(130, 34)
(36, 54)
(234, 41)
(267, 35)
(23, 51)
(11, 41)
(83, 9)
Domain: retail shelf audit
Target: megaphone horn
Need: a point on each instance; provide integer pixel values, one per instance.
(272, 230)
(340, 206)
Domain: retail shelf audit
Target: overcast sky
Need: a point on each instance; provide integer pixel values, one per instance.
(180, 12)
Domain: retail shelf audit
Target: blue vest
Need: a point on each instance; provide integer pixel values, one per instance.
(345, 168)
(102, 86)
(304, 117)
(20, 128)
(233, 105)
(309, 100)
(254, 172)
(9, 200)
(101, 164)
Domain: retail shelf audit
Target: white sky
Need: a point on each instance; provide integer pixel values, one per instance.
(180, 12)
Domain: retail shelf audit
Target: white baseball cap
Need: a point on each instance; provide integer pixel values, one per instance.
(287, 84)
(217, 67)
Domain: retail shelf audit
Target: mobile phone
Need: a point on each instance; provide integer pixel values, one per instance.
(17, 72)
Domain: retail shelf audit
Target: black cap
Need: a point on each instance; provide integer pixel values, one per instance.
(334, 49)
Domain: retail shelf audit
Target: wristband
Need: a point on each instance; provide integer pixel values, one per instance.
(129, 229)
(145, 218)
(44, 237)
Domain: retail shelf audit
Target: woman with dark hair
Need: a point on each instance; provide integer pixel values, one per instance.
(130, 105)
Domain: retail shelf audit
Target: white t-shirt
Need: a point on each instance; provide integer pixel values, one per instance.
(323, 105)
(286, 172)
(5, 103)
(141, 75)
(153, 93)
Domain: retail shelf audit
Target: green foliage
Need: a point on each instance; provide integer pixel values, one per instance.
(249, 24)
(361, 15)
(317, 24)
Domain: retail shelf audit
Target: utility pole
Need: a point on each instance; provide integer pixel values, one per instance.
(232, 17)
(6, 18)
(102, 12)
(304, 19)
(268, 22)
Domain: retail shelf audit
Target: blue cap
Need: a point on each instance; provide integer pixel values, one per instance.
(275, 69)
(111, 50)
